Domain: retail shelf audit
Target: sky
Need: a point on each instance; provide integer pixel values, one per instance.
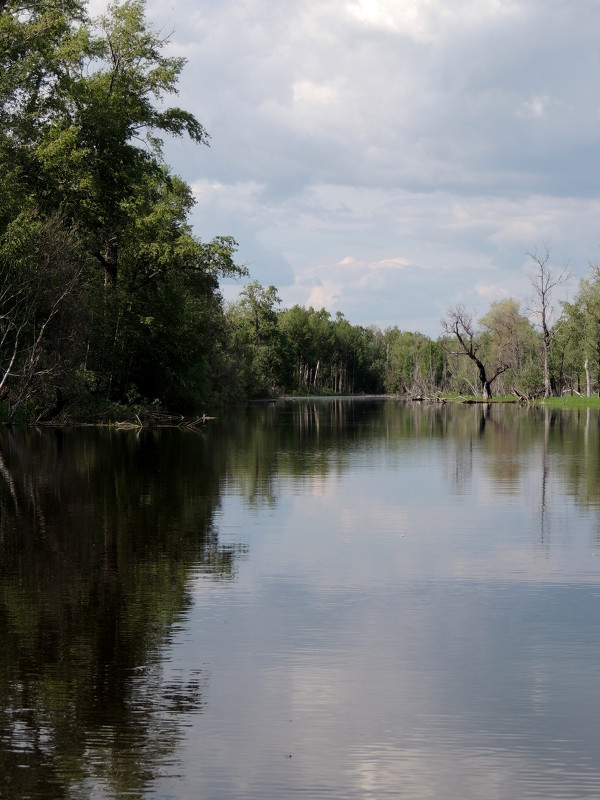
(390, 159)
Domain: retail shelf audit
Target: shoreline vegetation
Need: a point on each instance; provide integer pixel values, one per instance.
(128, 421)
(110, 306)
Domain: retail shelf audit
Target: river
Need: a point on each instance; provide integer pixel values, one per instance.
(312, 598)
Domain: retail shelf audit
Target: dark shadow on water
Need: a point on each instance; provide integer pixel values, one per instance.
(98, 534)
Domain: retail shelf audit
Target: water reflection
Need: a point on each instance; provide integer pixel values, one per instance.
(98, 532)
(316, 437)
(333, 598)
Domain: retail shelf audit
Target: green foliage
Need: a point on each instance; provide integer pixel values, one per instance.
(577, 340)
(510, 339)
(43, 277)
(502, 351)
(255, 341)
(83, 110)
(309, 345)
(327, 355)
(414, 363)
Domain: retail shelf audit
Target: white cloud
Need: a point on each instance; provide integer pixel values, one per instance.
(535, 108)
(430, 20)
(372, 255)
(235, 198)
(431, 142)
(490, 290)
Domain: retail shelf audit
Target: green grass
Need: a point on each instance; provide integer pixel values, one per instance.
(574, 402)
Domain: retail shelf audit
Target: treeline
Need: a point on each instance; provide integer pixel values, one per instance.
(508, 351)
(307, 351)
(109, 304)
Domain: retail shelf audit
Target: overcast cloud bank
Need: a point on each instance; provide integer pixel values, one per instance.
(388, 158)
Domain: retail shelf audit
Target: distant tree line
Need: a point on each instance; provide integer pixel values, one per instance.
(528, 353)
(108, 301)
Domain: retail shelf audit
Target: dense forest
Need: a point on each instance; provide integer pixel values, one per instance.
(110, 305)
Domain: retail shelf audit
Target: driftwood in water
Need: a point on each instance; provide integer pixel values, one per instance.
(420, 398)
(152, 419)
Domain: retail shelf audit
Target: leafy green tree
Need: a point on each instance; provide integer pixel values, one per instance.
(163, 327)
(372, 360)
(345, 357)
(308, 344)
(43, 278)
(42, 266)
(578, 338)
(97, 141)
(82, 115)
(355, 365)
(414, 363)
(256, 341)
(509, 338)
(37, 41)
(112, 109)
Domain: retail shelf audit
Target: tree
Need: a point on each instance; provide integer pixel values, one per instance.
(42, 262)
(509, 338)
(580, 338)
(162, 329)
(105, 146)
(308, 345)
(346, 355)
(544, 280)
(413, 362)
(42, 277)
(460, 324)
(80, 128)
(83, 113)
(39, 43)
(34, 38)
(256, 340)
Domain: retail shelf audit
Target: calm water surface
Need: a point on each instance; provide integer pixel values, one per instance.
(330, 599)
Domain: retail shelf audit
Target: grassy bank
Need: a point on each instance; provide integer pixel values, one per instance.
(571, 402)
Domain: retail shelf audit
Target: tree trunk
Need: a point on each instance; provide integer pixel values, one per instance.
(588, 378)
(547, 386)
(486, 387)
(111, 263)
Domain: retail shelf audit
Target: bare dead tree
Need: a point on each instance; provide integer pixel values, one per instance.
(459, 323)
(544, 280)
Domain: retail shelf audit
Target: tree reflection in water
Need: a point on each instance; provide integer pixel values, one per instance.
(98, 534)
